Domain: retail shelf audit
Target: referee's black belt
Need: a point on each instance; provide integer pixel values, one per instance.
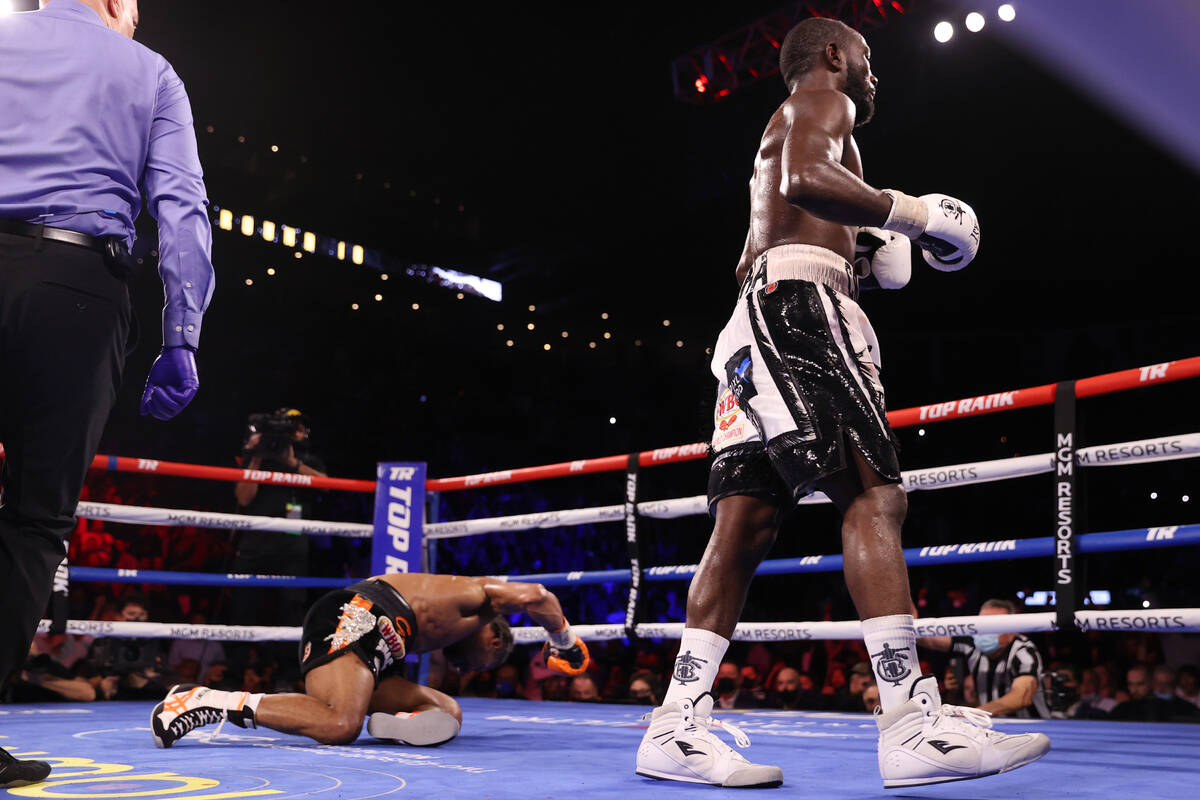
(55, 234)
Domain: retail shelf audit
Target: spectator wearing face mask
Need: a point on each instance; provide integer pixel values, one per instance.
(728, 688)
(1152, 697)
(1007, 667)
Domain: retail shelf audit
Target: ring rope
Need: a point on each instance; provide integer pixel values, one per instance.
(1161, 620)
(141, 515)
(1140, 451)
(1029, 397)
(1106, 542)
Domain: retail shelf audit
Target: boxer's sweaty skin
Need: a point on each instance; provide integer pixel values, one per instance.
(808, 165)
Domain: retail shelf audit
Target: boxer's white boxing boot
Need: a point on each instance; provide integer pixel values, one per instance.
(187, 707)
(679, 746)
(924, 741)
(424, 728)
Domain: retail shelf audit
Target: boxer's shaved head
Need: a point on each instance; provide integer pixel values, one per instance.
(804, 46)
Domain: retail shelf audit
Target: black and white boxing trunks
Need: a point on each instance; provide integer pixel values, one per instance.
(369, 619)
(798, 370)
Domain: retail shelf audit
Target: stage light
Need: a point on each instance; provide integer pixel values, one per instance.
(310, 241)
(354, 306)
(341, 251)
(666, 323)
(530, 326)
(546, 346)
(247, 225)
(416, 306)
(500, 327)
(604, 315)
(607, 335)
(920, 432)
(637, 342)
(1145, 604)
(1185, 498)
(298, 254)
(564, 334)
(943, 32)
(612, 420)
(274, 148)
(225, 220)
(356, 254)
(383, 276)
(459, 296)
(378, 297)
(1154, 495)
(592, 345)
(289, 236)
(1006, 12)
(509, 343)
(975, 22)
(701, 84)
(533, 308)
(268, 230)
(270, 270)
(679, 342)
(249, 281)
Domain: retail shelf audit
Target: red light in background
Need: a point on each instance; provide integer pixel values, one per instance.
(897, 6)
(722, 93)
(702, 84)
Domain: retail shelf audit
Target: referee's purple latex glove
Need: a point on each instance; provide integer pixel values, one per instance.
(172, 383)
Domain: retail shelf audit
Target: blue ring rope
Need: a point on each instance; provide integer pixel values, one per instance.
(1110, 542)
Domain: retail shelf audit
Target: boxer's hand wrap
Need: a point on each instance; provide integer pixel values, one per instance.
(883, 259)
(946, 229)
(566, 652)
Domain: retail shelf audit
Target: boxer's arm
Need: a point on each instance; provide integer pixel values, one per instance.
(534, 599)
(814, 178)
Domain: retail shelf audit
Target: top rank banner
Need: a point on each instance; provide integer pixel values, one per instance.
(399, 518)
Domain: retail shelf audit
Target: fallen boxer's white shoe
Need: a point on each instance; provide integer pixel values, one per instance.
(924, 741)
(678, 746)
(429, 727)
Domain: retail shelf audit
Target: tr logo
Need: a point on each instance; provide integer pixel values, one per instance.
(685, 667)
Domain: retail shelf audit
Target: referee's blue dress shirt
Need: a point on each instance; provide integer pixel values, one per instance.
(88, 120)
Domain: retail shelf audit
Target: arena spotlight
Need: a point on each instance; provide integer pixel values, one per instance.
(943, 32)
(975, 22)
(1006, 12)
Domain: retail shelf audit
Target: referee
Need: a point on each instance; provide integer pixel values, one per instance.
(90, 122)
(1007, 667)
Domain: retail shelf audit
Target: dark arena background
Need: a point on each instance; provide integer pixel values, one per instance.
(486, 237)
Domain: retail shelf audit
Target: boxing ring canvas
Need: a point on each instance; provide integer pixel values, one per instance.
(524, 749)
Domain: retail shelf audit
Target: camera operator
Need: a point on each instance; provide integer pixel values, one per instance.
(275, 442)
(126, 669)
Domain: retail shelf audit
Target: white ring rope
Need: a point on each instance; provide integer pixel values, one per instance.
(1159, 620)
(1142, 451)
(1166, 448)
(138, 515)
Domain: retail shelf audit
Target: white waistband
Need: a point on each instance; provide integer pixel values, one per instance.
(807, 262)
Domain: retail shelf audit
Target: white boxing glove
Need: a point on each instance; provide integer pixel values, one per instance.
(882, 258)
(946, 229)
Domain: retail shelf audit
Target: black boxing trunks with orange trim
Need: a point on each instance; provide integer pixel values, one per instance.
(369, 619)
(798, 371)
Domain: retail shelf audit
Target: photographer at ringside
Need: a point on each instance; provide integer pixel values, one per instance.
(276, 442)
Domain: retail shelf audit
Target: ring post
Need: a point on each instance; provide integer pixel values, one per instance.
(1067, 505)
(397, 544)
(633, 605)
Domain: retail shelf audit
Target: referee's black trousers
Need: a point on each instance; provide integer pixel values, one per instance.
(64, 322)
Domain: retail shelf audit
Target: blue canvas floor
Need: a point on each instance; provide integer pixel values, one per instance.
(518, 749)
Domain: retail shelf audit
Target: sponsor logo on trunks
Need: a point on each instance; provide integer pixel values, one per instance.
(686, 665)
(970, 405)
(771, 287)
(388, 632)
(970, 547)
(890, 664)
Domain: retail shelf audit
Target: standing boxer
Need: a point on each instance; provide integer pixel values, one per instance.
(90, 122)
(800, 408)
